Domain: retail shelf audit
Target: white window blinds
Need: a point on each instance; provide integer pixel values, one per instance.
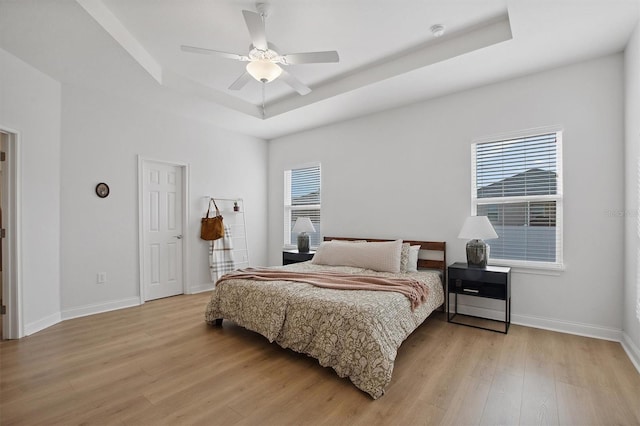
(517, 184)
(302, 199)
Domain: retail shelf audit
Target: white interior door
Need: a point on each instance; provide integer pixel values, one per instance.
(162, 230)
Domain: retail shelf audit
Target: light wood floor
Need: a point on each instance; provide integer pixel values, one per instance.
(161, 364)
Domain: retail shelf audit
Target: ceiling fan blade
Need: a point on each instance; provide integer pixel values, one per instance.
(296, 84)
(311, 57)
(241, 81)
(255, 25)
(203, 51)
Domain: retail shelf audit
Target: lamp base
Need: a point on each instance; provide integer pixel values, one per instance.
(303, 242)
(477, 254)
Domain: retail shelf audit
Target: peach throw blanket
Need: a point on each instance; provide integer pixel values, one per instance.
(415, 291)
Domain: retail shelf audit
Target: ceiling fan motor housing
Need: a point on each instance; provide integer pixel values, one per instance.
(256, 54)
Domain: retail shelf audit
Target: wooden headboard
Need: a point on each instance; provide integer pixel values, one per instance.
(436, 249)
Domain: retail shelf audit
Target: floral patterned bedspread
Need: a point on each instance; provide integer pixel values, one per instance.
(355, 332)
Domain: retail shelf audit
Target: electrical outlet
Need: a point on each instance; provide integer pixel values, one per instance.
(102, 277)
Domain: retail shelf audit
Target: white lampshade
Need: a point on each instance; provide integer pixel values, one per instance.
(477, 228)
(303, 224)
(263, 70)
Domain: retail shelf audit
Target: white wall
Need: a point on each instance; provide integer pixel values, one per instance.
(406, 173)
(101, 138)
(631, 323)
(30, 105)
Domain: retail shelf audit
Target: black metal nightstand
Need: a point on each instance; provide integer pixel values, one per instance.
(493, 282)
(292, 256)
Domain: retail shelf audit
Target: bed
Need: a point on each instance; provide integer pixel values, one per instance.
(355, 332)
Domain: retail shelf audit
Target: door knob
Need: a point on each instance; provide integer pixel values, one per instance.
(179, 237)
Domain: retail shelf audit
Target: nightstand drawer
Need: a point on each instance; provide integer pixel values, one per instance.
(483, 275)
(475, 288)
(293, 256)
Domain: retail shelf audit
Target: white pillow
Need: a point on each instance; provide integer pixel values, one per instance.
(412, 262)
(379, 256)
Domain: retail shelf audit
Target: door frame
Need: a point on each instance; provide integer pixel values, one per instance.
(13, 326)
(184, 167)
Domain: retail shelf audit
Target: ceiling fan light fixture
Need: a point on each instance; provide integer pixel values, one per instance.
(264, 59)
(264, 71)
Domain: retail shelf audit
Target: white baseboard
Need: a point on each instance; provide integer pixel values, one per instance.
(41, 324)
(201, 288)
(633, 352)
(98, 308)
(553, 324)
(577, 328)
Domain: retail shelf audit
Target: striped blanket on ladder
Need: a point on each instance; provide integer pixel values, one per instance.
(221, 255)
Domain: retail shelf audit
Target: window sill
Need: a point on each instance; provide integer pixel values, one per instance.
(534, 269)
(295, 247)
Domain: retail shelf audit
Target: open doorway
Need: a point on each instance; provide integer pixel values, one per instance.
(10, 320)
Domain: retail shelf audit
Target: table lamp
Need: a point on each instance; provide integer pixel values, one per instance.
(302, 226)
(476, 229)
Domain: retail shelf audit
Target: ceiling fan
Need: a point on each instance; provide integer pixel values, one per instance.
(264, 58)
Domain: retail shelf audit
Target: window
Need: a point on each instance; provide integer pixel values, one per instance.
(517, 184)
(302, 199)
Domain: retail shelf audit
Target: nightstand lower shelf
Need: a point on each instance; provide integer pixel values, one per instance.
(506, 323)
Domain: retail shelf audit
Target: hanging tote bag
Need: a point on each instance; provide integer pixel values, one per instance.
(212, 228)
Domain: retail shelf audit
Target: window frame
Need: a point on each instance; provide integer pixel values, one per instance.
(288, 244)
(558, 197)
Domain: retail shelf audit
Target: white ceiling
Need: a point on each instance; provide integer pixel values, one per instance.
(388, 56)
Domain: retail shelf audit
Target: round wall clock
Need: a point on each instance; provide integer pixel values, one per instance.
(102, 190)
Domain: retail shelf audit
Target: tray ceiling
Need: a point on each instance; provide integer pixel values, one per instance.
(388, 54)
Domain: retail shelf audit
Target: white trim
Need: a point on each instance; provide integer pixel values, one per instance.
(112, 25)
(515, 134)
(140, 231)
(633, 352)
(552, 324)
(202, 288)
(535, 271)
(570, 327)
(186, 238)
(13, 323)
(41, 324)
(185, 223)
(303, 165)
(637, 244)
(525, 265)
(98, 308)
(530, 267)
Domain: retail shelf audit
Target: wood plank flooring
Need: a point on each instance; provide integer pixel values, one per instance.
(160, 363)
